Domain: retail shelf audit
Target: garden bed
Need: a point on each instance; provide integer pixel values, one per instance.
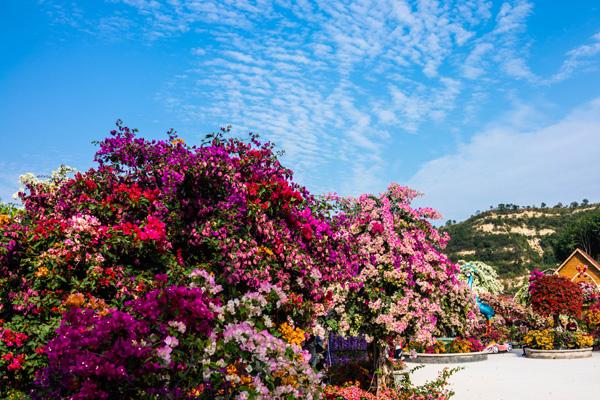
(558, 354)
(449, 358)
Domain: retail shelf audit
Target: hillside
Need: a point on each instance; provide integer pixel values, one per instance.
(513, 239)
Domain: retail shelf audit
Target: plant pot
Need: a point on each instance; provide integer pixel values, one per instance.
(399, 377)
(558, 354)
(448, 358)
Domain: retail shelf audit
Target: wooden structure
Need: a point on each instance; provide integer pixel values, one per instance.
(580, 267)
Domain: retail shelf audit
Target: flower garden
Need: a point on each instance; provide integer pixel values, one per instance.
(205, 272)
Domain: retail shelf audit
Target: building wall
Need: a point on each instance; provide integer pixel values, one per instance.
(569, 270)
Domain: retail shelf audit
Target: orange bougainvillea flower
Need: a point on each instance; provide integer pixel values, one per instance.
(75, 300)
(292, 335)
(41, 272)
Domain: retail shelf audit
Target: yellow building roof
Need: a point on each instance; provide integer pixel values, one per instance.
(585, 255)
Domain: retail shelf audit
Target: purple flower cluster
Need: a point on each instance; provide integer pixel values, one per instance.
(118, 355)
(188, 306)
(97, 356)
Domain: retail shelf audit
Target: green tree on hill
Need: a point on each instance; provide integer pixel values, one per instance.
(583, 232)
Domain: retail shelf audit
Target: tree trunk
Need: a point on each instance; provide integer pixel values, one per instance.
(381, 368)
(557, 323)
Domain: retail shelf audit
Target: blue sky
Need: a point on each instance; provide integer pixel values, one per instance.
(472, 103)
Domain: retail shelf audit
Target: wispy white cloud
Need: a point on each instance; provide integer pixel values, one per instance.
(517, 67)
(511, 17)
(411, 109)
(334, 81)
(508, 164)
(296, 76)
(577, 58)
(474, 65)
(504, 47)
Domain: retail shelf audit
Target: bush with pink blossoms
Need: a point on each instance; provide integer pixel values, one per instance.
(591, 293)
(177, 342)
(406, 288)
(249, 354)
(180, 271)
(156, 210)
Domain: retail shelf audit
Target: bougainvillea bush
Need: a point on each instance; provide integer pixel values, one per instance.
(200, 272)
(87, 248)
(485, 277)
(407, 289)
(403, 388)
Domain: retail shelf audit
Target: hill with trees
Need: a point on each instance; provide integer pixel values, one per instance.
(514, 239)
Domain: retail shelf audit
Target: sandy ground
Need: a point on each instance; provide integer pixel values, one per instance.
(510, 376)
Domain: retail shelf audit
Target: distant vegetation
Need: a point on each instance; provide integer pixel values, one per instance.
(515, 239)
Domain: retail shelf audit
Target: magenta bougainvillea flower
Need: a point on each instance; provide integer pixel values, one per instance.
(177, 271)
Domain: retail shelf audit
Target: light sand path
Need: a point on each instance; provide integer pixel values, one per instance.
(510, 376)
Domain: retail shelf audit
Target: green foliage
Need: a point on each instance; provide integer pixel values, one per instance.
(485, 277)
(434, 386)
(504, 244)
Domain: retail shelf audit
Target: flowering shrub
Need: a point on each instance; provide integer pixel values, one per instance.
(176, 271)
(485, 277)
(97, 357)
(549, 339)
(432, 390)
(152, 212)
(552, 295)
(123, 354)
(457, 345)
(523, 295)
(250, 357)
(540, 339)
(352, 392)
(406, 288)
(11, 347)
(512, 320)
(511, 312)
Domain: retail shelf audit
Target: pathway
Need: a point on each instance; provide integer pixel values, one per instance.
(510, 376)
